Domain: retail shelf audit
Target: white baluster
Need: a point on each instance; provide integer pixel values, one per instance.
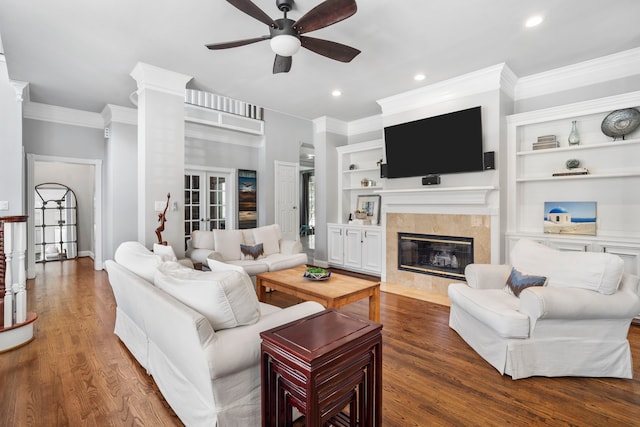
(21, 294)
(8, 281)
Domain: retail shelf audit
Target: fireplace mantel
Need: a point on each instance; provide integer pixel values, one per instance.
(437, 196)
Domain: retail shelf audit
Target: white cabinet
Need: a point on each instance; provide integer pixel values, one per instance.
(357, 248)
(357, 162)
(612, 182)
(335, 245)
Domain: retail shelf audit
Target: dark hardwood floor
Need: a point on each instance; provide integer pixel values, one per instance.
(77, 373)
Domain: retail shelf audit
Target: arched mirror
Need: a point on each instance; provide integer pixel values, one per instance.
(55, 218)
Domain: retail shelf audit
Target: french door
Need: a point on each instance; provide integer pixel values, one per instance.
(208, 201)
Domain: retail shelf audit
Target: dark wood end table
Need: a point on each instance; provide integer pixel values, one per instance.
(328, 365)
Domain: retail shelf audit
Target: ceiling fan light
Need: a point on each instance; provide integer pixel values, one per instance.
(285, 45)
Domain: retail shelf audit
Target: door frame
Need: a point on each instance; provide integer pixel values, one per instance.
(98, 261)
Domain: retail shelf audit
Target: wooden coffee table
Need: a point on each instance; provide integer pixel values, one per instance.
(334, 292)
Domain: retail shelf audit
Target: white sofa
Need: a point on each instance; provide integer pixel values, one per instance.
(196, 333)
(226, 246)
(575, 324)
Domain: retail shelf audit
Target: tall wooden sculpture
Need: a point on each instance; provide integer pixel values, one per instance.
(162, 219)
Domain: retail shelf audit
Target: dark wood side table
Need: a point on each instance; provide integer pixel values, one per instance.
(328, 365)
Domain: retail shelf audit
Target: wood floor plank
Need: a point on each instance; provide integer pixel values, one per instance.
(77, 373)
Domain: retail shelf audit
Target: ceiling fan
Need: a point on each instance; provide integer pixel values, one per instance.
(286, 37)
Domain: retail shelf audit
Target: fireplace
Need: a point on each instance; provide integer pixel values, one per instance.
(443, 256)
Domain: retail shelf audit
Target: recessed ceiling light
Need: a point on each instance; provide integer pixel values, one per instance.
(534, 21)
(336, 93)
(418, 77)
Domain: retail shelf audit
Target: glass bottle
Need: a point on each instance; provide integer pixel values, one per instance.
(574, 138)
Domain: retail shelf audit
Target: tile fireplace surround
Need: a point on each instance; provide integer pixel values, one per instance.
(477, 227)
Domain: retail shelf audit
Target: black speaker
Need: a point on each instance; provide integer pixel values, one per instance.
(431, 180)
(383, 170)
(489, 160)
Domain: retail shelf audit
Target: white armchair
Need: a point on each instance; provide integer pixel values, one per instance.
(576, 324)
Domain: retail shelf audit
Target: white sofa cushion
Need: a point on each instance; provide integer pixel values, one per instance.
(226, 298)
(228, 244)
(201, 239)
(493, 307)
(282, 261)
(138, 259)
(596, 271)
(269, 236)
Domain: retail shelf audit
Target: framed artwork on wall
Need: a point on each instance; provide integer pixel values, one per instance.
(247, 199)
(570, 218)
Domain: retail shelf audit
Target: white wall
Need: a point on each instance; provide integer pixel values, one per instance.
(11, 158)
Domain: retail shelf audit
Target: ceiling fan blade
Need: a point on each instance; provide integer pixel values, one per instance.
(326, 13)
(282, 64)
(333, 50)
(248, 7)
(236, 43)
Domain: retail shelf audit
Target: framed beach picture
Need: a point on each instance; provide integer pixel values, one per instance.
(570, 218)
(370, 205)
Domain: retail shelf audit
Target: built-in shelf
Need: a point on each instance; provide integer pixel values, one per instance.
(589, 176)
(362, 170)
(373, 187)
(578, 148)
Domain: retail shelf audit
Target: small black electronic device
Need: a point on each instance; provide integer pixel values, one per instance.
(431, 180)
(383, 170)
(489, 160)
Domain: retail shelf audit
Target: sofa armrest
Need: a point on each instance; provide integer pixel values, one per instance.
(487, 276)
(288, 247)
(542, 302)
(236, 349)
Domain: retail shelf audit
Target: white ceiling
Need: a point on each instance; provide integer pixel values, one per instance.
(79, 53)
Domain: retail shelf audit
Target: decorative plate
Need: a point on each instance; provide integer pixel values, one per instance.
(620, 122)
(317, 276)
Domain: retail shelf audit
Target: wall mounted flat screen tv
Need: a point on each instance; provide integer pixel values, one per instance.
(448, 143)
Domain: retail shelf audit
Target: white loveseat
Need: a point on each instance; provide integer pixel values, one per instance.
(227, 246)
(196, 333)
(576, 324)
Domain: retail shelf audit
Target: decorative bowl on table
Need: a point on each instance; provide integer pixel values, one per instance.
(316, 273)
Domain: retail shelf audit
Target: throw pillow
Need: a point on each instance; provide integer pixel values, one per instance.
(269, 237)
(226, 298)
(228, 244)
(596, 271)
(165, 252)
(519, 281)
(254, 251)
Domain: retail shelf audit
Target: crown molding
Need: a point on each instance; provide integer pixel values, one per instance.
(331, 125)
(599, 70)
(62, 115)
(117, 114)
(158, 79)
(484, 80)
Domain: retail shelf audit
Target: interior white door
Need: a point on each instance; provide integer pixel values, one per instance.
(207, 201)
(287, 187)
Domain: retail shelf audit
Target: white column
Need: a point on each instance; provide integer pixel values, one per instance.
(160, 152)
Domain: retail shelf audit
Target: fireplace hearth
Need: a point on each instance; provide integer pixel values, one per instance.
(443, 256)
